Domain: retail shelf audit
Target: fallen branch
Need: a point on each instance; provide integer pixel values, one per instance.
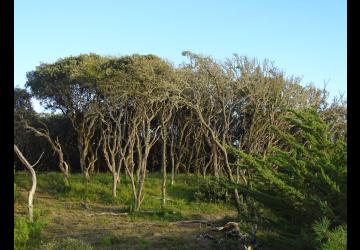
(233, 225)
(193, 221)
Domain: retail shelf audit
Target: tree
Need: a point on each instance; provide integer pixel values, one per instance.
(69, 85)
(132, 94)
(33, 178)
(22, 110)
(55, 145)
(209, 98)
(114, 117)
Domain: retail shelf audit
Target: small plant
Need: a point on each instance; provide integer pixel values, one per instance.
(26, 232)
(21, 233)
(67, 244)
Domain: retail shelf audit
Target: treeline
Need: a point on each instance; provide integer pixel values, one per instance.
(133, 114)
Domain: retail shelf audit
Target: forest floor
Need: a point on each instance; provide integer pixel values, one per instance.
(89, 213)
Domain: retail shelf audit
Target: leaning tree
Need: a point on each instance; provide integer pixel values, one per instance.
(33, 179)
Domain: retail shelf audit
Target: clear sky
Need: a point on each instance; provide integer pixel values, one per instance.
(305, 38)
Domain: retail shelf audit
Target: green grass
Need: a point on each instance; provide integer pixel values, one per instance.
(181, 201)
(150, 228)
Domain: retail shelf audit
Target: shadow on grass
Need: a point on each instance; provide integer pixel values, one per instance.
(182, 192)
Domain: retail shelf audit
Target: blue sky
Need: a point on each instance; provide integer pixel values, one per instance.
(304, 37)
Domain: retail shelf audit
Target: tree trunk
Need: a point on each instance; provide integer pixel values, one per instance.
(172, 171)
(115, 181)
(215, 161)
(86, 174)
(172, 156)
(177, 166)
(31, 197)
(196, 164)
(33, 178)
(163, 163)
(83, 162)
(138, 172)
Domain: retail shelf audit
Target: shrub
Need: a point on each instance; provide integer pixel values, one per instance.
(67, 244)
(26, 232)
(35, 230)
(21, 233)
(212, 190)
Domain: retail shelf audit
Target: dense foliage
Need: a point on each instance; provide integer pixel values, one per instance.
(303, 179)
(24, 232)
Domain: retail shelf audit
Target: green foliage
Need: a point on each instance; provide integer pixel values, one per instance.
(303, 179)
(212, 190)
(35, 230)
(67, 244)
(330, 239)
(21, 232)
(26, 233)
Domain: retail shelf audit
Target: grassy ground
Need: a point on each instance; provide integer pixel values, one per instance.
(63, 211)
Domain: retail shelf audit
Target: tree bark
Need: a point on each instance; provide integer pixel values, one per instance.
(86, 175)
(163, 163)
(215, 161)
(33, 178)
(115, 181)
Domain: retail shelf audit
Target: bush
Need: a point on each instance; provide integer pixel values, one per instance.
(212, 191)
(21, 233)
(35, 230)
(24, 232)
(66, 244)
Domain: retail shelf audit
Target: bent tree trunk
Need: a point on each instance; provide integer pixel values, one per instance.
(33, 178)
(55, 145)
